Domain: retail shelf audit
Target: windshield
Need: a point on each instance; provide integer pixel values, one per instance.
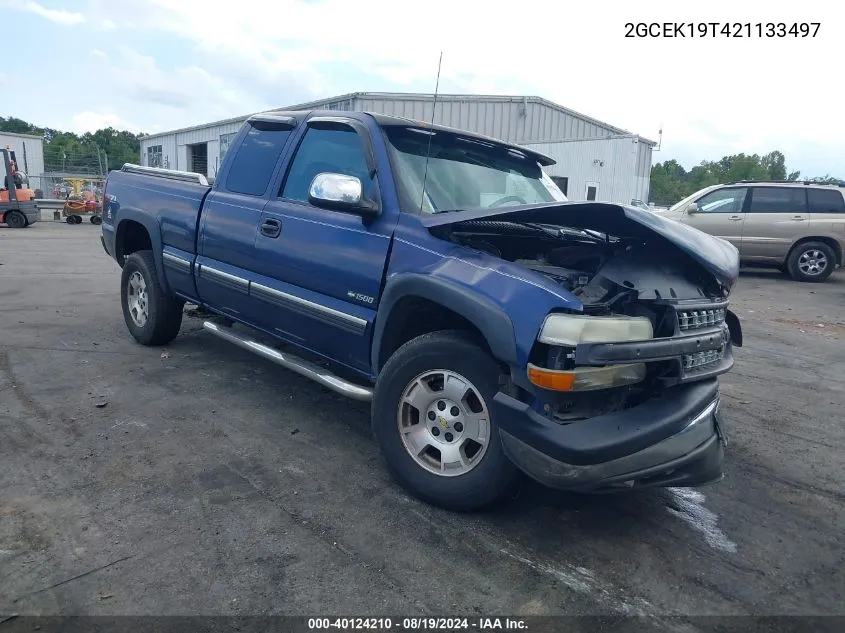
(463, 173)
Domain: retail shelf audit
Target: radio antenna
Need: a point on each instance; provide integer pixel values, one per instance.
(431, 133)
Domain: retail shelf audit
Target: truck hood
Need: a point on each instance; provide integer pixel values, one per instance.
(716, 255)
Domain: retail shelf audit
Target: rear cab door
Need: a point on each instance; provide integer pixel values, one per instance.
(720, 213)
(777, 216)
(319, 271)
(230, 218)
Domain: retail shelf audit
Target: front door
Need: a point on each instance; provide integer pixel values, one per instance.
(720, 213)
(321, 275)
(776, 217)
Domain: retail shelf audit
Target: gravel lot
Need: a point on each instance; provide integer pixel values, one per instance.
(203, 480)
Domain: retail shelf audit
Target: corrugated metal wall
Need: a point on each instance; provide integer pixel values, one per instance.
(29, 152)
(523, 120)
(609, 164)
(510, 119)
(174, 146)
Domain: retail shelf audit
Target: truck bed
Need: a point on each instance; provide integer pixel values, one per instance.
(172, 198)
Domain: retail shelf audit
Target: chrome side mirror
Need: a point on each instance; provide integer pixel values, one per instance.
(693, 207)
(340, 193)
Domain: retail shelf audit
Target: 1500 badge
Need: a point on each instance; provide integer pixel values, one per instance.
(359, 297)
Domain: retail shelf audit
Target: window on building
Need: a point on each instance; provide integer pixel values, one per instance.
(778, 200)
(727, 200)
(591, 192)
(562, 183)
(256, 159)
(825, 201)
(225, 142)
(154, 156)
(336, 150)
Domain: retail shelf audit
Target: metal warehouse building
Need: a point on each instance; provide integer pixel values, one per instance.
(29, 150)
(595, 161)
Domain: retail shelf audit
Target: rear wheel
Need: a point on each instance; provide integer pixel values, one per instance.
(152, 316)
(15, 220)
(811, 261)
(432, 418)
(96, 220)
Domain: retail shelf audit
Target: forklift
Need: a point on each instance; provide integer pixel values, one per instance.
(17, 201)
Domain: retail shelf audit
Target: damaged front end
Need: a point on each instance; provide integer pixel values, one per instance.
(636, 364)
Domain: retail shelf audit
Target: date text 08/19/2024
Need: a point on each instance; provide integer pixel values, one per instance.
(721, 29)
(417, 624)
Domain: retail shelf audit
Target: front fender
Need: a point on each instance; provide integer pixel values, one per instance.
(493, 323)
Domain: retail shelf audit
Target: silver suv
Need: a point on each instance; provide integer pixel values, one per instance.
(797, 226)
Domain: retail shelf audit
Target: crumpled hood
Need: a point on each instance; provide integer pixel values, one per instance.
(718, 256)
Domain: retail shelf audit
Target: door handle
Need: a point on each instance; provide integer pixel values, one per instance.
(735, 217)
(798, 218)
(271, 228)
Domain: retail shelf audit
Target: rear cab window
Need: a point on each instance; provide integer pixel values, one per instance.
(256, 157)
(826, 201)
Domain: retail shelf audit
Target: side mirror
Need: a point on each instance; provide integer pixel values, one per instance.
(693, 207)
(340, 192)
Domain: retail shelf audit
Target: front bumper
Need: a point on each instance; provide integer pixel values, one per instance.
(674, 440)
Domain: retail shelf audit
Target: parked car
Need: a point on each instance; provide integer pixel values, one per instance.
(640, 204)
(797, 226)
(494, 326)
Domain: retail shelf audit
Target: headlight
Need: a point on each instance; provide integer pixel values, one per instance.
(568, 330)
(571, 329)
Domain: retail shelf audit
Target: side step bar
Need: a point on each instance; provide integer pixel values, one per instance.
(302, 367)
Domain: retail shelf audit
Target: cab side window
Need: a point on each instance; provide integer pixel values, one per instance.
(336, 150)
(728, 200)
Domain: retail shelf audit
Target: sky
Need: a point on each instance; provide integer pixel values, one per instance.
(154, 65)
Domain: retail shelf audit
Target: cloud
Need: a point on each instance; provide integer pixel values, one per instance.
(197, 60)
(59, 16)
(99, 54)
(89, 121)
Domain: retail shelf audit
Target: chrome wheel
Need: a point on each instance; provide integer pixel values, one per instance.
(444, 422)
(812, 262)
(137, 299)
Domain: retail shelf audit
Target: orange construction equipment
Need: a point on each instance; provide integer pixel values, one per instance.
(17, 206)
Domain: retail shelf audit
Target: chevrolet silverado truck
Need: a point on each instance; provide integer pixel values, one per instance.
(495, 327)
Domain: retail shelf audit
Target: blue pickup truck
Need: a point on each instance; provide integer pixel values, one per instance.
(495, 327)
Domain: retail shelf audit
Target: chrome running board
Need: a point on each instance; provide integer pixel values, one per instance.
(302, 367)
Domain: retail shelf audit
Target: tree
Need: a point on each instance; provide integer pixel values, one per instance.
(670, 182)
(86, 154)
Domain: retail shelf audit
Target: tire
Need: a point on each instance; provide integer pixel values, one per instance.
(77, 219)
(160, 322)
(490, 475)
(70, 219)
(96, 220)
(16, 220)
(811, 261)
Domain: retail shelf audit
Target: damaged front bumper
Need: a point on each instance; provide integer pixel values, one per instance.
(676, 439)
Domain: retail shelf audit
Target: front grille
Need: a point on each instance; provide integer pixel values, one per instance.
(700, 359)
(693, 319)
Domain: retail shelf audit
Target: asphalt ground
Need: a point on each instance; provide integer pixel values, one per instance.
(201, 479)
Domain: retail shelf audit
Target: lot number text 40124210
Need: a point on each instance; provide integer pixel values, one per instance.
(721, 29)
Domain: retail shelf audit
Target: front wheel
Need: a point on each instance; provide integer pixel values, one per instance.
(15, 220)
(152, 316)
(432, 418)
(811, 261)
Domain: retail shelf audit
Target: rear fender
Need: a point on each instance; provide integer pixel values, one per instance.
(153, 230)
